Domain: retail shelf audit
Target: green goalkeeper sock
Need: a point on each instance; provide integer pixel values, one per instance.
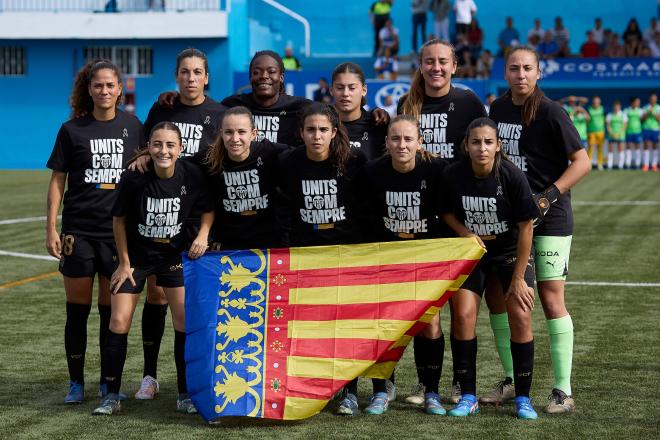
(561, 351)
(500, 325)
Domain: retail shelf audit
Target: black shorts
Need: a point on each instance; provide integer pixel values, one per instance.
(168, 274)
(85, 257)
(502, 268)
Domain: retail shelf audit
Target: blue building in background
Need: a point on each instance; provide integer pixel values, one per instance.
(44, 43)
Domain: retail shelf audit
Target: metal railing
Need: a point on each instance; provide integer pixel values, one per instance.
(111, 5)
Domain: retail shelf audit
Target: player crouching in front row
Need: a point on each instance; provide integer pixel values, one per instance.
(147, 223)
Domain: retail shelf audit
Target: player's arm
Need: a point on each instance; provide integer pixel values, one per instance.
(518, 289)
(459, 228)
(201, 243)
(579, 167)
(54, 200)
(123, 271)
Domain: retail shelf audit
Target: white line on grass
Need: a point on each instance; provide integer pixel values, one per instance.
(13, 221)
(611, 284)
(617, 203)
(33, 256)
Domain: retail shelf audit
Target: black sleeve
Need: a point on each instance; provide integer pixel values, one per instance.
(445, 192)
(126, 193)
(565, 134)
(203, 202)
(522, 203)
(59, 157)
(149, 123)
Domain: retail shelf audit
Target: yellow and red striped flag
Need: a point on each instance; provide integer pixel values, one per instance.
(276, 333)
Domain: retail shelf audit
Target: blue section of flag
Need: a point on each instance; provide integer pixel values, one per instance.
(225, 326)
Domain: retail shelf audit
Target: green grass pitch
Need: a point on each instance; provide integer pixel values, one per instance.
(616, 371)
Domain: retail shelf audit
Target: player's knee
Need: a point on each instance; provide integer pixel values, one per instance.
(120, 323)
(155, 294)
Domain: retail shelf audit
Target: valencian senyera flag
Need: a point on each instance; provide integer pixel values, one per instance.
(276, 333)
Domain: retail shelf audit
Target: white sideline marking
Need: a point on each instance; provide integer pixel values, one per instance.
(13, 221)
(617, 203)
(33, 256)
(611, 284)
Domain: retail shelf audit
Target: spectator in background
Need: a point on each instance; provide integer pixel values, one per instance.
(561, 36)
(152, 5)
(632, 46)
(654, 45)
(548, 49)
(466, 66)
(598, 32)
(509, 36)
(614, 49)
(465, 11)
(484, 65)
(290, 62)
(440, 10)
(632, 29)
(607, 35)
(379, 13)
(645, 52)
(389, 106)
(590, 48)
(322, 94)
(461, 47)
(537, 31)
(419, 9)
(649, 33)
(389, 37)
(475, 38)
(386, 63)
(489, 100)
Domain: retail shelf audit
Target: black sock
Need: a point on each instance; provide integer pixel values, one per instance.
(179, 350)
(420, 351)
(153, 327)
(464, 354)
(116, 345)
(104, 327)
(75, 340)
(379, 385)
(523, 366)
(352, 387)
(435, 357)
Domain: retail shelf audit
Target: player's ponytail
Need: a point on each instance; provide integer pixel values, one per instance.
(413, 100)
(533, 102)
(81, 103)
(340, 146)
(217, 152)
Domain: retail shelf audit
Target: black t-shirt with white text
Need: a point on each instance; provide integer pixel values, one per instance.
(198, 124)
(93, 154)
(405, 205)
(278, 123)
(491, 207)
(322, 202)
(541, 151)
(156, 210)
(444, 121)
(365, 135)
(244, 194)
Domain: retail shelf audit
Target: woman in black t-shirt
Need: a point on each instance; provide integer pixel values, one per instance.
(148, 220)
(243, 183)
(402, 191)
(276, 114)
(89, 156)
(320, 182)
(487, 197)
(198, 117)
(443, 110)
(349, 89)
(541, 140)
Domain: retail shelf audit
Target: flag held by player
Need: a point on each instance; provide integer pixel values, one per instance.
(276, 333)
